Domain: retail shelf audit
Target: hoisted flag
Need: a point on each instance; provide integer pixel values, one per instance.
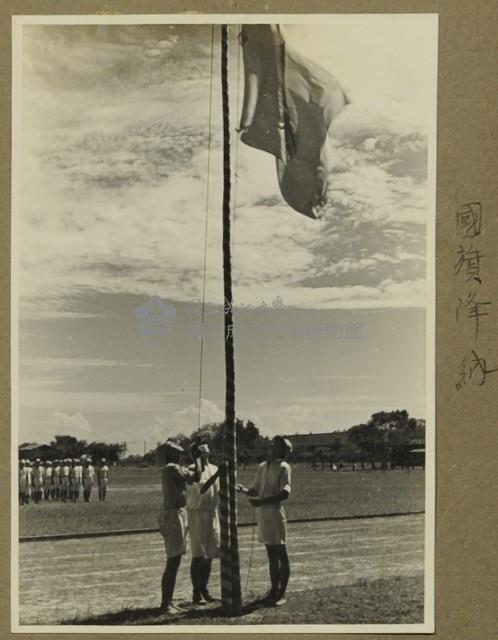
(289, 104)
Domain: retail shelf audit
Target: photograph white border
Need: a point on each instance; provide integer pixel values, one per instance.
(18, 22)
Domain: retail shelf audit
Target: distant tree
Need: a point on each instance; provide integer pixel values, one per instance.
(66, 446)
(112, 452)
(350, 452)
(132, 461)
(384, 430)
(251, 445)
(335, 449)
(367, 438)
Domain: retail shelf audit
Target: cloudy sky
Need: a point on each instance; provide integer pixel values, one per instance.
(115, 201)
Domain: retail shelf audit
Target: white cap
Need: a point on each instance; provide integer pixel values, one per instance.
(176, 447)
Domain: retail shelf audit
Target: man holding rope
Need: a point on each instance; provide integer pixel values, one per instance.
(203, 524)
(173, 517)
(271, 486)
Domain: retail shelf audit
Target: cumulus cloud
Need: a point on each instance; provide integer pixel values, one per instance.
(114, 189)
(75, 425)
(183, 420)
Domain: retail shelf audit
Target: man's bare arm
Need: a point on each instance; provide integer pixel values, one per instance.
(249, 492)
(279, 497)
(210, 481)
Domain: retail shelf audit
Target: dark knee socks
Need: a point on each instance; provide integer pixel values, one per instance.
(169, 579)
(278, 561)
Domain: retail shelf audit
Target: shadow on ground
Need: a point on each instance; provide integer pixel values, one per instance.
(208, 614)
(398, 600)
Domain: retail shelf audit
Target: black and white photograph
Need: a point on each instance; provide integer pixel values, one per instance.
(223, 323)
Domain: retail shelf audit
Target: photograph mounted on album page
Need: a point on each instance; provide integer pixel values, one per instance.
(223, 323)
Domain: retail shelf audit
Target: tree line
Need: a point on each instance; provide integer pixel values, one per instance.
(384, 436)
(66, 446)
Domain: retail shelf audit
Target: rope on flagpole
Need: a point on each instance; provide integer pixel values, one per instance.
(208, 171)
(229, 556)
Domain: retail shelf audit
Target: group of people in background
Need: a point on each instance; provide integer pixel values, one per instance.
(63, 480)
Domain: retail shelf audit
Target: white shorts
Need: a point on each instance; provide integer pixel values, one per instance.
(204, 530)
(173, 528)
(272, 524)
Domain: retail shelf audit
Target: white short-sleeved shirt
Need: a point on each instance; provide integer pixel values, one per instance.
(103, 473)
(272, 478)
(38, 474)
(209, 499)
(88, 472)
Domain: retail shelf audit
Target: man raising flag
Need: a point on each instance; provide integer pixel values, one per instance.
(289, 105)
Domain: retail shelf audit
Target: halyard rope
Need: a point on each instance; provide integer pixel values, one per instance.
(208, 170)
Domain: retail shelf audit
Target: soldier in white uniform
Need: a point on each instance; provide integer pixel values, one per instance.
(77, 479)
(21, 474)
(28, 481)
(65, 471)
(88, 479)
(48, 479)
(38, 476)
(271, 486)
(56, 480)
(72, 473)
(203, 526)
(103, 479)
(24, 482)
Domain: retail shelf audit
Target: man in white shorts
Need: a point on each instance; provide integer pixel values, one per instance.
(173, 516)
(24, 482)
(56, 480)
(38, 476)
(88, 479)
(203, 525)
(77, 479)
(271, 486)
(47, 480)
(65, 472)
(103, 479)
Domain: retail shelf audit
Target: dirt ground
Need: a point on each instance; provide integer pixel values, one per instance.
(80, 578)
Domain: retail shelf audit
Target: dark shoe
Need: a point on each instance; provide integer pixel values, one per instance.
(171, 610)
(269, 597)
(280, 600)
(207, 596)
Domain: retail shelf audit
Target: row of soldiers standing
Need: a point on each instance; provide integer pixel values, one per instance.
(61, 480)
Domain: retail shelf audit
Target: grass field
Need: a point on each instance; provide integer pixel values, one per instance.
(134, 499)
(396, 600)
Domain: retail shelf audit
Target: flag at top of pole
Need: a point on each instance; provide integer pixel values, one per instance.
(289, 104)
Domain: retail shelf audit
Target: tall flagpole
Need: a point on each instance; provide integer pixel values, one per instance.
(229, 551)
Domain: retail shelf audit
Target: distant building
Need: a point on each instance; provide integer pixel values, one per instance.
(411, 454)
(32, 450)
(315, 443)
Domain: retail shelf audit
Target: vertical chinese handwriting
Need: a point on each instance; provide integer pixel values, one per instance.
(470, 305)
